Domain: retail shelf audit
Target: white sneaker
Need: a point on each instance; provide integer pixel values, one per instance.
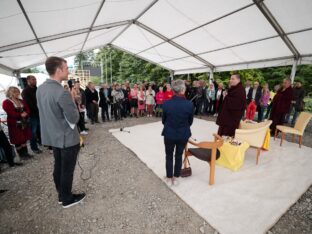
(168, 181)
(175, 181)
(84, 133)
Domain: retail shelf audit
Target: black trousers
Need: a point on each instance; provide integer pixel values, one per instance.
(117, 110)
(64, 166)
(7, 148)
(94, 111)
(170, 146)
(104, 112)
(124, 111)
(81, 122)
(211, 106)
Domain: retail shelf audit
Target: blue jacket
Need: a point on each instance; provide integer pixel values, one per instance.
(177, 118)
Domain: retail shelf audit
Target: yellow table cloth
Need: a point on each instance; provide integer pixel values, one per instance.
(266, 143)
(232, 156)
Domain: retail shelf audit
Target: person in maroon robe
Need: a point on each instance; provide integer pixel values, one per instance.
(233, 108)
(281, 104)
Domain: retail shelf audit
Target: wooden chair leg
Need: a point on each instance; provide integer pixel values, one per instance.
(275, 134)
(258, 155)
(300, 141)
(282, 138)
(185, 161)
(212, 173)
(212, 166)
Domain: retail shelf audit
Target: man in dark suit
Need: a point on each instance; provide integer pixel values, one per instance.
(29, 96)
(92, 98)
(177, 120)
(104, 102)
(253, 100)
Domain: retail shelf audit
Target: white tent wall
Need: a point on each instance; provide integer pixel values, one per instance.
(6, 70)
(181, 36)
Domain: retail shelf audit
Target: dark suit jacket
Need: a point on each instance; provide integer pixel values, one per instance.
(257, 97)
(103, 100)
(90, 97)
(177, 118)
(29, 96)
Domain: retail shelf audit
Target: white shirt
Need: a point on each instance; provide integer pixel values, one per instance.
(247, 91)
(219, 94)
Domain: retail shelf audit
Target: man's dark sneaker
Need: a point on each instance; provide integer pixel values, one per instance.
(37, 151)
(16, 164)
(77, 198)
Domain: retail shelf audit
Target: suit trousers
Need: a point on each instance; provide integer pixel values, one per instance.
(94, 111)
(64, 166)
(170, 146)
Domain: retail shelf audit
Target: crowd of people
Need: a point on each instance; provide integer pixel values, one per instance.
(54, 114)
(119, 101)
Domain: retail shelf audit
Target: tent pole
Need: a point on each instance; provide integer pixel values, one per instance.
(293, 71)
(17, 74)
(105, 66)
(102, 72)
(210, 77)
(111, 67)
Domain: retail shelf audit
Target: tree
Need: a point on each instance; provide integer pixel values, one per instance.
(123, 66)
(83, 57)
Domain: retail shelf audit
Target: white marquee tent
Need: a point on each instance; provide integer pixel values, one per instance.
(183, 36)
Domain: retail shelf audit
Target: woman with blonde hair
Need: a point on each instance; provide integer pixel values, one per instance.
(150, 101)
(141, 101)
(18, 121)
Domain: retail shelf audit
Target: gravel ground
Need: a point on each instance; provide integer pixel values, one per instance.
(123, 195)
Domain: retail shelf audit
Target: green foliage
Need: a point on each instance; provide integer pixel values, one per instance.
(31, 70)
(308, 104)
(122, 66)
(83, 57)
(95, 79)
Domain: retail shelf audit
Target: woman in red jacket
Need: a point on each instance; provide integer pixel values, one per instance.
(160, 97)
(17, 119)
(169, 93)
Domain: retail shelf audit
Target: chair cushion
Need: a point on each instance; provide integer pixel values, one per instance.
(203, 154)
(287, 129)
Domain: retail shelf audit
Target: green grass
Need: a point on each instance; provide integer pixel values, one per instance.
(308, 104)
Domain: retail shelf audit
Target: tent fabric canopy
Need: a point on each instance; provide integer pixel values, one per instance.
(180, 36)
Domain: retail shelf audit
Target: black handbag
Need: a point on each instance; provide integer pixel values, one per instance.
(186, 171)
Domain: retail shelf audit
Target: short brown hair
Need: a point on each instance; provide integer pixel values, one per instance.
(30, 77)
(52, 63)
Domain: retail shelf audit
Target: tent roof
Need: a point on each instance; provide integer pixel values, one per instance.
(181, 36)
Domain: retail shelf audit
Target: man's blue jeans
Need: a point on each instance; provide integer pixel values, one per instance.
(35, 129)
